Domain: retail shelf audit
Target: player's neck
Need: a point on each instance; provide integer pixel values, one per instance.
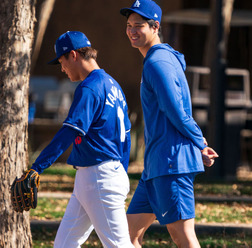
(87, 67)
(143, 50)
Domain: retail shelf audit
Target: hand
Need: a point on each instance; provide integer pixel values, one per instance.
(24, 191)
(205, 141)
(208, 156)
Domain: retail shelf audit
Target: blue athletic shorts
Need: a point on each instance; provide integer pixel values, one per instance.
(170, 198)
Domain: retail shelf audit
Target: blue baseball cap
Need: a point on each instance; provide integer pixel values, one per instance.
(71, 40)
(146, 8)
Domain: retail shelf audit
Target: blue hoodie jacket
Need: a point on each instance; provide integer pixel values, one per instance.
(173, 140)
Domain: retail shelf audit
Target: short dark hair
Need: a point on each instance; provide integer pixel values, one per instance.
(152, 23)
(86, 53)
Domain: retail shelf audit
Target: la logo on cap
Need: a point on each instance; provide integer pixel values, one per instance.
(137, 4)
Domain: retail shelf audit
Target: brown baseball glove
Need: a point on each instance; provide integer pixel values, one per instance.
(24, 191)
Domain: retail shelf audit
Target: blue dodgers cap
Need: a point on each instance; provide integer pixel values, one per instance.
(71, 40)
(146, 8)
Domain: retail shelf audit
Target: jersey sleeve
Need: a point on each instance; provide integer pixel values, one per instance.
(126, 151)
(127, 142)
(59, 144)
(83, 110)
(168, 90)
(127, 122)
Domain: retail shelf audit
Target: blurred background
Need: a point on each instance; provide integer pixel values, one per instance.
(189, 27)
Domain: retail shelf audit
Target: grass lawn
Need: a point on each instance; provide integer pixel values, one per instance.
(44, 239)
(61, 178)
(53, 209)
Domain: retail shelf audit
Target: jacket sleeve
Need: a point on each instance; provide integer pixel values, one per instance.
(59, 144)
(163, 78)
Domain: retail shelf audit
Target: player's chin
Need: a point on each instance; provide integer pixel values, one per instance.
(72, 79)
(134, 44)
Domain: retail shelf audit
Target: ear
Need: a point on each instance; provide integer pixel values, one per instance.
(156, 28)
(73, 55)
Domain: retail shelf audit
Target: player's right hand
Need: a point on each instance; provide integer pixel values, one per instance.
(208, 156)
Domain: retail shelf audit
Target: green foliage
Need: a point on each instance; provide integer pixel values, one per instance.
(49, 209)
(225, 241)
(60, 170)
(53, 209)
(44, 238)
(225, 188)
(223, 213)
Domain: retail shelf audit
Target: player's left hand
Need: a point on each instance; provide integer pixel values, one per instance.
(208, 156)
(24, 191)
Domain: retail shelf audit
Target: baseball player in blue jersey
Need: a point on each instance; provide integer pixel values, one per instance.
(98, 127)
(174, 145)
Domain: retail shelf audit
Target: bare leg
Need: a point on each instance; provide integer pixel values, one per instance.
(138, 224)
(183, 233)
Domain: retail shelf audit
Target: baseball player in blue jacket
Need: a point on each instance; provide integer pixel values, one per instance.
(99, 128)
(174, 145)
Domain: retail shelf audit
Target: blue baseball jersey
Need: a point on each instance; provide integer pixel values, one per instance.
(173, 140)
(99, 114)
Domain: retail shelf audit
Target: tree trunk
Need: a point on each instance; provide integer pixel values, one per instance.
(16, 34)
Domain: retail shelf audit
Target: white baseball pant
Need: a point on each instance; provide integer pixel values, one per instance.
(97, 202)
